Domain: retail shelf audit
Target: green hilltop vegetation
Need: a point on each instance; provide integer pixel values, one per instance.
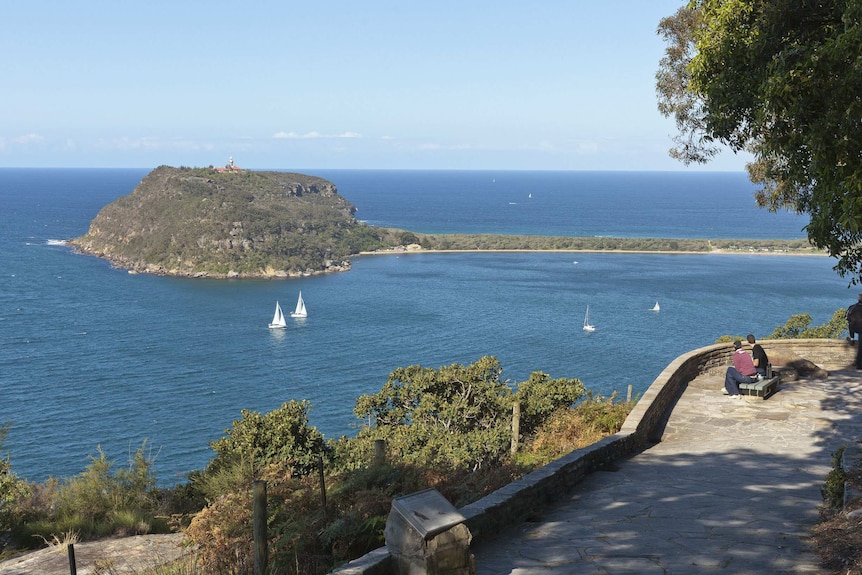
(239, 223)
(479, 242)
(232, 223)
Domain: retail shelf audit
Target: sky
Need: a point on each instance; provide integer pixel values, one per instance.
(279, 84)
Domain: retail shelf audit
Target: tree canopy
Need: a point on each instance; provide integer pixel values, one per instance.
(781, 79)
(459, 414)
(282, 435)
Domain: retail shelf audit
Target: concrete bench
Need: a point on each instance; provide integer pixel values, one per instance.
(763, 388)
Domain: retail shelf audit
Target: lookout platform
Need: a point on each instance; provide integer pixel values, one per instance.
(733, 487)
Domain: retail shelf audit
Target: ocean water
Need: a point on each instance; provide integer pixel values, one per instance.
(92, 356)
(613, 204)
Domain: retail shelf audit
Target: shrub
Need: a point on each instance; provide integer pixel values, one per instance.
(541, 396)
(455, 415)
(282, 436)
(570, 429)
(221, 532)
(97, 503)
(798, 327)
(12, 488)
(833, 486)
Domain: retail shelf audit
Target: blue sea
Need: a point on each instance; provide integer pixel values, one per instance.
(94, 357)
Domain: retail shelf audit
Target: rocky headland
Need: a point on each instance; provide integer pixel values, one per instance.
(206, 222)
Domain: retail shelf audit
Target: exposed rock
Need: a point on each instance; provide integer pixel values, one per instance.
(125, 555)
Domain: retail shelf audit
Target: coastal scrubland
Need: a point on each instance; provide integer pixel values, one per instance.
(491, 242)
(450, 428)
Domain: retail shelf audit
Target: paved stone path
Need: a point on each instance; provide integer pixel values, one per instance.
(734, 487)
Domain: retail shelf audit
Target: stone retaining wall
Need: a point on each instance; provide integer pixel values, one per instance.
(513, 503)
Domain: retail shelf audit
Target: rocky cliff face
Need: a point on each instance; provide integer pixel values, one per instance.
(204, 223)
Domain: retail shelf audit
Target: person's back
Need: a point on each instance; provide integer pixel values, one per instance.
(758, 356)
(742, 371)
(743, 363)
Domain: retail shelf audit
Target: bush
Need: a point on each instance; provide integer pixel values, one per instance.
(799, 327)
(99, 502)
(12, 488)
(282, 436)
(223, 535)
(833, 486)
(456, 415)
(570, 429)
(541, 396)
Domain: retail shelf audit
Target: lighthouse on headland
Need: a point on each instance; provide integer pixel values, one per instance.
(230, 167)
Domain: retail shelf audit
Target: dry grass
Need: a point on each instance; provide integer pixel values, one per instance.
(186, 565)
(61, 544)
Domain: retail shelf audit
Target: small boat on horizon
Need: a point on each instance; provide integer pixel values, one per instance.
(278, 321)
(656, 307)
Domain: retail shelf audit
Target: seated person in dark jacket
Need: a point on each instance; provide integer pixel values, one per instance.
(758, 356)
(854, 326)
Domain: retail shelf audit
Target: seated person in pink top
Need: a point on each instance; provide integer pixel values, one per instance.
(743, 371)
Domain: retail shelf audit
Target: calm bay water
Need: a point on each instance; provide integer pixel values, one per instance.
(92, 356)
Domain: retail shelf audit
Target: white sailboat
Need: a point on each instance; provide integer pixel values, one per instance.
(587, 325)
(656, 307)
(277, 318)
(300, 310)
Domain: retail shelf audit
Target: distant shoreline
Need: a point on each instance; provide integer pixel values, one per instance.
(596, 251)
(402, 241)
(746, 247)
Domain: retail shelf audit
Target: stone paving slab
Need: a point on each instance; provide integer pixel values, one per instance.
(733, 487)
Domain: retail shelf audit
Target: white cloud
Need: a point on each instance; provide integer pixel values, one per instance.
(457, 147)
(314, 135)
(28, 139)
(587, 148)
(152, 144)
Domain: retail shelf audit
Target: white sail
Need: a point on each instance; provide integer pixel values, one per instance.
(656, 307)
(587, 325)
(300, 310)
(277, 318)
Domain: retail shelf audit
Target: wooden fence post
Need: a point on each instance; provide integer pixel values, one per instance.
(322, 483)
(259, 524)
(379, 451)
(70, 549)
(516, 425)
(629, 394)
